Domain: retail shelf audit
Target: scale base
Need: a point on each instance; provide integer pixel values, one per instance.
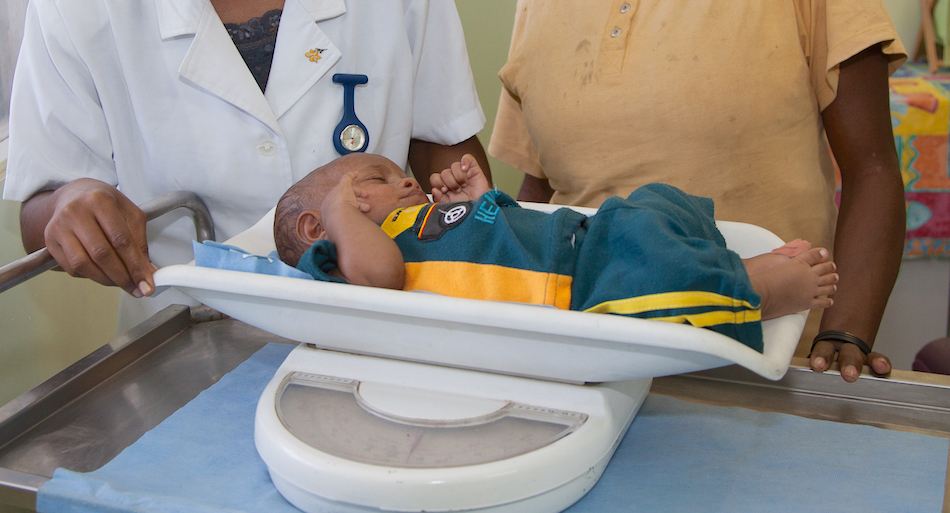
(551, 501)
(343, 432)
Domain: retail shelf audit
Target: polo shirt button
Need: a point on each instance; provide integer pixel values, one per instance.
(615, 32)
(624, 8)
(267, 148)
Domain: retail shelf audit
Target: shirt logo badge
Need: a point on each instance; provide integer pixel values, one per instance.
(442, 217)
(454, 214)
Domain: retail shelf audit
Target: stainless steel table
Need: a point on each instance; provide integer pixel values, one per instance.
(83, 417)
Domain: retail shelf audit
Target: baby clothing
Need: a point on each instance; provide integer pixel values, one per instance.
(655, 255)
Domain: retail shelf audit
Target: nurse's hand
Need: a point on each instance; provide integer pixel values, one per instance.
(850, 360)
(93, 231)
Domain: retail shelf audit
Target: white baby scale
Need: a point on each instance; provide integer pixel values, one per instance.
(404, 401)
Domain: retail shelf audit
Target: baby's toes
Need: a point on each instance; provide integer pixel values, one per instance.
(813, 256)
(824, 268)
(826, 290)
(828, 279)
(822, 302)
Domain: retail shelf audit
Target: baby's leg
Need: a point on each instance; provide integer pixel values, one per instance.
(777, 256)
(800, 283)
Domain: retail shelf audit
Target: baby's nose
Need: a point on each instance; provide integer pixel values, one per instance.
(410, 183)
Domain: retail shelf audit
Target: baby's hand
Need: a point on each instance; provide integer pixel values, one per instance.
(464, 181)
(344, 195)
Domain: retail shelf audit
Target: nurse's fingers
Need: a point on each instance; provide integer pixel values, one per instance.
(125, 258)
(98, 233)
(70, 254)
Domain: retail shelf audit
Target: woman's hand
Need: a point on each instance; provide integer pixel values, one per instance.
(93, 231)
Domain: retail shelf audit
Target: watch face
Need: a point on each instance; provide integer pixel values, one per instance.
(353, 138)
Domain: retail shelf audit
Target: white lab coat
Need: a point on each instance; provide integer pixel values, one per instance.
(153, 96)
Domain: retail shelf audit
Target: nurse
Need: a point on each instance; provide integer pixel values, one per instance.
(733, 100)
(116, 102)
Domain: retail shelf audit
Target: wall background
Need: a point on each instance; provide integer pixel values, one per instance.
(487, 25)
(53, 320)
(49, 322)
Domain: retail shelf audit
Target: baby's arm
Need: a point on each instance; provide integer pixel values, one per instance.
(464, 181)
(366, 255)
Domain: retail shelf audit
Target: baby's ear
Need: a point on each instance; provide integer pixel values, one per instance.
(309, 227)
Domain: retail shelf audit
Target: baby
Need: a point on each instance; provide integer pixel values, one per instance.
(655, 255)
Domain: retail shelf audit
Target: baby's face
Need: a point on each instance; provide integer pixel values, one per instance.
(383, 186)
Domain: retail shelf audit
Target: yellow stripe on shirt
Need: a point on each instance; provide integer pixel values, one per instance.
(492, 282)
(706, 319)
(401, 220)
(673, 301)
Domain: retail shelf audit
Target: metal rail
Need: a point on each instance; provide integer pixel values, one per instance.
(41, 260)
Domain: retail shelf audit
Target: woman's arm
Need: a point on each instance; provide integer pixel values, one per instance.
(871, 220)
(535, 189)
(365, 253)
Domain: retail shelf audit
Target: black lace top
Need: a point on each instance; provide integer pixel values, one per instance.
(255, 39)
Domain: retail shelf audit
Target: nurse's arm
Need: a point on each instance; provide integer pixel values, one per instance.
(93, 231)
(871, 221)
(426, 158)
(535, 189)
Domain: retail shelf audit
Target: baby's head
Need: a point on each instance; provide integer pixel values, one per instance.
(382, 185)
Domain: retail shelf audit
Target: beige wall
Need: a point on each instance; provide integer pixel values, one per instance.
(487, 25)
(906, 16)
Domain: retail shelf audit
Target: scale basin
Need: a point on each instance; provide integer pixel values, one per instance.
(507, 338)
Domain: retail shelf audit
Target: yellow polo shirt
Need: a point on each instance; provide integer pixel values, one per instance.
(721, 98)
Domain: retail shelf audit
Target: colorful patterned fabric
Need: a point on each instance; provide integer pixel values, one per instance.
(920, 115)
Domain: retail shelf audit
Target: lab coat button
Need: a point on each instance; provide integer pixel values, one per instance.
(615, 32)
(267, 148)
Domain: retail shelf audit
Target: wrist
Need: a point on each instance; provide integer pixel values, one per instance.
(838, 338)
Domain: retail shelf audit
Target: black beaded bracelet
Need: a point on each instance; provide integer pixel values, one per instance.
(838, 338)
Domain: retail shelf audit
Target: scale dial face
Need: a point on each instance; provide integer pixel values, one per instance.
(328, 414)
(353, 138)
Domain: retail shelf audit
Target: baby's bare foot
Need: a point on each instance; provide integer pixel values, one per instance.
(793, 249)
(800, 283)
(778, 256)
